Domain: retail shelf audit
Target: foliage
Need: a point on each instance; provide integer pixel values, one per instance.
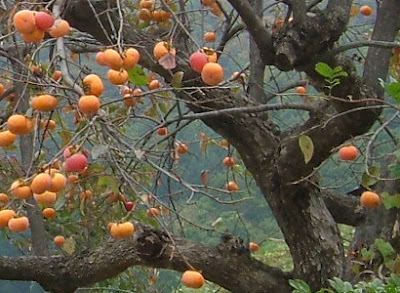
(376, 285)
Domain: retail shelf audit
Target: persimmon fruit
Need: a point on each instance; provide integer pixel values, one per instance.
(5, 216)
(41, 182)
(121, 230)
(59, 29)
(59, 240)
(348, 153)
(7, 138)
(369, 199)
(89, 104)
(93, 85)
(44, 102)
(212, 73)
(19, 224)
(366, 10)
(49, 213)
(24, 21)
(192, 279)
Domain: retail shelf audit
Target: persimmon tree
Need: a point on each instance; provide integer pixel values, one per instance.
(98, 164)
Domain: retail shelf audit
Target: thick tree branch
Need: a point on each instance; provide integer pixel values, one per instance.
(148, 247)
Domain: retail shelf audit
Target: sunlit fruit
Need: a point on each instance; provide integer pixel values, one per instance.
(73, 178)
(59, 240)
(197, 60)
(5, 216)
(45, 198)
(366, 10)
(131, 58)
(162, 130)
(41, 182)
(253, 247)
(18, 224)
(229, 161)
(24, 21)
(34, 36)
(120, 230)
(17, 124)
(117, 77)
(49, 213)
(20, 189)
(89, 104)
(369, 199)
(113, 59)
(232, 186)
(93, 85)
(58, 182)
(76, 162)
(192, 279)
(210, 36)
(207, 2)
(59, 29)
(348, 153)
(152, 212)
(301, 90)
(212, 73)
(7, 138)
(3, 198)
(43, 20)
(44, 102)
(160, 49)
(181, 148)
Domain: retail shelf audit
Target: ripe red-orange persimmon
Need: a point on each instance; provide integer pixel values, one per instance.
(348, 153)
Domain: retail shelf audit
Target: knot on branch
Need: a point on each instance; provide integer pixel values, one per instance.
(296, 44)
(152, 243)
(231, 244)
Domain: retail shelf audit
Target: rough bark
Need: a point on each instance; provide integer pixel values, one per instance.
(228, 264)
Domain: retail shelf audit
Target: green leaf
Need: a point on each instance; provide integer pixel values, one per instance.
(306, 147)
(385, 248)
(176, 81)
(69, 245)
(371, 177)
(390, 201)
(340, 286)
(300, 286)
(137, 76)
(393, 89)
(163, 107)
(324, 69)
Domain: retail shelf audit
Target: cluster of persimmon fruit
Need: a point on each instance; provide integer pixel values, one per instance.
(32, 25)
(148, 11)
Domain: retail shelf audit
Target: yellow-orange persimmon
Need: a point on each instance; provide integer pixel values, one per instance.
(44, 102)
(120, 230)
(93, 85)
(212, 73)
(18, 224)
(5, 216)
(7, 138)
(89, 104)
(192, 279)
